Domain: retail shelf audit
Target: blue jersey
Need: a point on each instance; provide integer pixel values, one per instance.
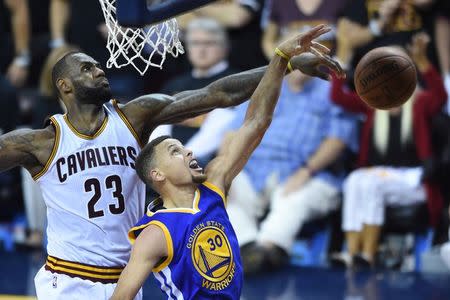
(203, 252)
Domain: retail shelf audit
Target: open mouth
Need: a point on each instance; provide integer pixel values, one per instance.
(193, 164)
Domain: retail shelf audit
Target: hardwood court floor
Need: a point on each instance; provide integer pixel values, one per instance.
(18, 269)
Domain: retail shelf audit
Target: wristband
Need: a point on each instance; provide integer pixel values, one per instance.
(282, 54)
(289, 67)
(22, 60)
(374, 27)
(56, 43)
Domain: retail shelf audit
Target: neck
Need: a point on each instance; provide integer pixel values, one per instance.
(86, 118)
(178, 197)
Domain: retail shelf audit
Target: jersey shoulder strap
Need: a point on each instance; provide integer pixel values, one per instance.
(113, 108)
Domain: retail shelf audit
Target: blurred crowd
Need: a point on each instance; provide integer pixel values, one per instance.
(327, 158)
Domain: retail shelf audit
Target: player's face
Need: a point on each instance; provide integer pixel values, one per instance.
(178, 163)
(89, 81)
(204, 49)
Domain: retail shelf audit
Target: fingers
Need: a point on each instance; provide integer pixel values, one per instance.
(304, 42)
(321, 48)
(332, 65)
(422, 37)
(335, 67)
(322, 75)
(315, 52)
(317, 31)
(315, 48)
(313, 33)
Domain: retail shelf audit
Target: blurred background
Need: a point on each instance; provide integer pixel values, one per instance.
(336, 192)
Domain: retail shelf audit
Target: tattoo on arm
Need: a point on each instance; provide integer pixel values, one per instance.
(229, 91)
(17, 148)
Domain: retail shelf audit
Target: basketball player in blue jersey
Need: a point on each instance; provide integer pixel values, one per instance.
(190, 244)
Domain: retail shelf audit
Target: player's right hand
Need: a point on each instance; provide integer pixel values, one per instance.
(304, 42)
(310, 64)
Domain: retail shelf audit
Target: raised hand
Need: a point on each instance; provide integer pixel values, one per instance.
(17, 74)
(310, 64)
(418, 50)
(387, 11)
(304, 42)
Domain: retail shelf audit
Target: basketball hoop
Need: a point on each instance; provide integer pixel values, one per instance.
(139, 47)
(131, 41)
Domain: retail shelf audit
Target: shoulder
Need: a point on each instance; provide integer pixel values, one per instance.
(215, 188)
(154, 244)
(47, 135)
(163, 221)
(153, 231)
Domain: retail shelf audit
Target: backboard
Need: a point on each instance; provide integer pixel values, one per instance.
(138, 13)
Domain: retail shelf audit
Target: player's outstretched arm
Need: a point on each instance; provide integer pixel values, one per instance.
(149, 248)
(27, 148)
(149, 111)
(240, 145)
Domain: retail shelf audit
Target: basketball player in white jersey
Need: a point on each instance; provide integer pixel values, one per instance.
(84, 162)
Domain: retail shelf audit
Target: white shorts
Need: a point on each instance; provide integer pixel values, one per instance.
(54, 286)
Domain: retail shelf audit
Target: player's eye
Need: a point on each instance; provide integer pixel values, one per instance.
(86, 68)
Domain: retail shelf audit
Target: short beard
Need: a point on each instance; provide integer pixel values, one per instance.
(199, 178)
(89, 95)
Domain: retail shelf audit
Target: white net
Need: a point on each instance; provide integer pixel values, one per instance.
(139, 47)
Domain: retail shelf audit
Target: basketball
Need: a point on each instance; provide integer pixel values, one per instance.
(385, 77)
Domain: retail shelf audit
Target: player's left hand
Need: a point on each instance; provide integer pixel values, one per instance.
(296, 181)
(304, 42)
(311, 64)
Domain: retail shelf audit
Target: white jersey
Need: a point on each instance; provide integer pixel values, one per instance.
(92, 192)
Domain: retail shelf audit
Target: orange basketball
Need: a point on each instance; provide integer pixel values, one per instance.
(385, 77)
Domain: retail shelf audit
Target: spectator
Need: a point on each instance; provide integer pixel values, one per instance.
(13, 73)
(14, 64)
(207, 48)
(394, 150)
(445, 248)
(242, 20)
(17, 70)
(302, 148)
(442, 35)
(364, 23)
(297, 15)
